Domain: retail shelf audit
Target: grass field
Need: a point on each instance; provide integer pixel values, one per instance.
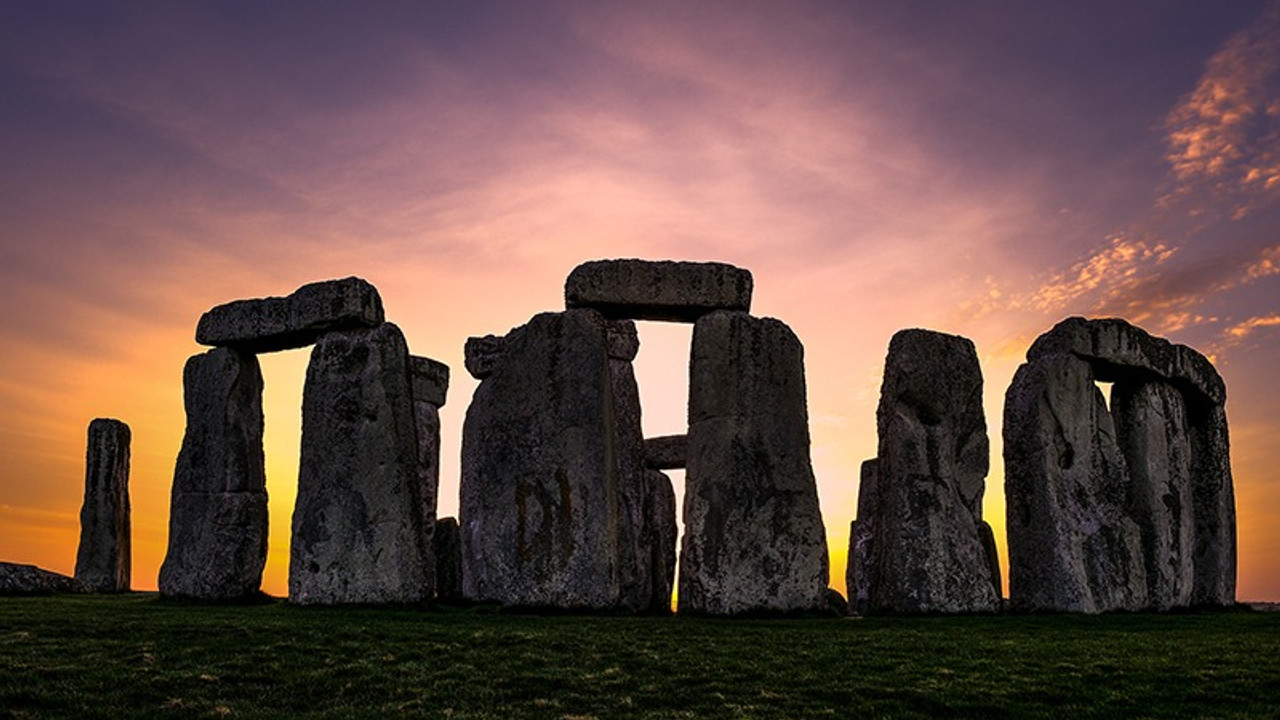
(137, 656)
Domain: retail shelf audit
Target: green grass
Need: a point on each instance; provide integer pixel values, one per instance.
(137, 656)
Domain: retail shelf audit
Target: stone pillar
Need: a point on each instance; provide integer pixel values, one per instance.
(658, 539)
(754, 539)
(927, 554)
(218, 511)
(540, 480)
(430, 384)
(1214, 507)
(104, 560)
(447, 546)
(635, 584)
(861, 531)
(358, 519)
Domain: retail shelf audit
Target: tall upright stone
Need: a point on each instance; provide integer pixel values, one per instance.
(861, 531)
(358, 525)
(754, 539)
(1213, 506)
(658, 540)
(447, 546)
(104, 558)
(429, 385)
(927, 553)
(540, 484)
(218, 510)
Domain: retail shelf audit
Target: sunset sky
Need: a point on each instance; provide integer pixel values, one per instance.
(984, 168)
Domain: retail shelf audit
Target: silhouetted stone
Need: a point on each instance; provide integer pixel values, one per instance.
(18, 579)
(104, 560)
(447, 543)
(1071, 544)
(657, 290)
(1214, 507)
(861, 531)
(430, 380)
(297, 320)
(659, 539)
(358, 525)
(667, 452)
(754, 539)
(624, 341)
(218, 509)
(1151, 429)
(927, 555)
(635, 587)
(482, 354)
(988, 538)
(836, 603)
(429, 383)
(540, 483)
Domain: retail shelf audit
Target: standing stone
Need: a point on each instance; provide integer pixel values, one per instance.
(634, 558)
(861, 532)
(1214, 507)
(927, 551)
(429, 382)
(540, 479)
(657, 290)
(659, 539)
(218, 511)
(1151, 428)
(294, 321)
(358, 525)
(103, 562)
(1071, 545)
(447, 544)
(754, 539)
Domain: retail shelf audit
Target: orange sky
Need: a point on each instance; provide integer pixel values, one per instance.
(876, 169)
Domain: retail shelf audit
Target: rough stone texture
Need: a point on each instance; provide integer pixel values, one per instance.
(624, 340)
(482, 354)
(104, 559)
(218, 510)
(540, 484)
(861, 531)
(754, 539)
(1071, 545)
(18, 579)
(988, 538)
(1117, 350)
(659, 538)
(359, 532)
(297, 320)
(927, 555)
(430, 379)
(1151, 429)
(1214, 507)
(668, 452)
(447, 543)
(657, 290)
(635, 587)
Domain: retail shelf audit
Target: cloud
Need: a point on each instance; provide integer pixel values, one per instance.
(1242, 330)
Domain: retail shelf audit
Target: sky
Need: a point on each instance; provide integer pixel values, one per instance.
(984, 168)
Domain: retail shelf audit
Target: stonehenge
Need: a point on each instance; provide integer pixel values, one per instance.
(104, 558)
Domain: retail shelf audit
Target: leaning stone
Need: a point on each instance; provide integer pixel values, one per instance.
(18, 579)
(927, 553)
(754, 539)
(358, 522)
(103, 561)
(447, 544)
(658, 290)
(430, 380)
(667, 452)
(482, 354)
(540, 485)
(861, 531)
(293, 321)
(218, 509)
(1071, 545)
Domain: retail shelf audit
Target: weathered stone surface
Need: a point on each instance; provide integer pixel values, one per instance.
(430, 379)
(540, 485)
(624, 340)
(1115, 349)
(447, 543)
(754, 539)
(927, 555)
(104, 558)
(659, 539)
(667, 452)
(1071, 545)
(658, 290)
(1214, 507)
(482, 354)
(293, 321)
(988, 538)
(358, 525)
(218, 509)
(18, 579)
(635, 587)
(861, 531)
(427, 422)
(1151, 430)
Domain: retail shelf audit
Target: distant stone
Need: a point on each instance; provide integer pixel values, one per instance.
(482, 354)
(430, 380)
(754, 538)
(861, 531)
(218, 509)
(104, 559)
(988, 538)
(293, 321)
(448, 551)
(1072, 547)
(658, 290)
(358, 522)
(927, 554)
(667, 452)
(659, 539)
(17, 579)
(836, 603)
(540, 487)
(624, 341)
